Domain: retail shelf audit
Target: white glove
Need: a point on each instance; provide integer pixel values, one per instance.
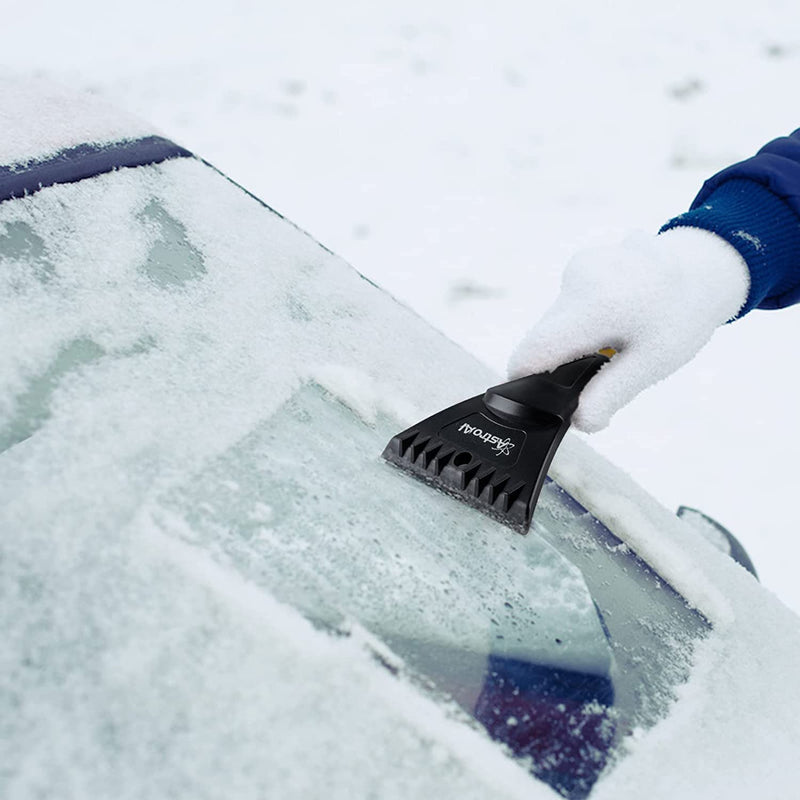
(655, 299)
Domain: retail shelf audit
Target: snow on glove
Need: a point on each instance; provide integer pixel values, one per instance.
(655, 299)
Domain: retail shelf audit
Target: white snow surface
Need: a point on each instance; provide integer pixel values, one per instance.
(458, 154)
(39, 117)
(656, 300)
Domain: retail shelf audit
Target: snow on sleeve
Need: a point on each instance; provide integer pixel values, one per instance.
(38, 118)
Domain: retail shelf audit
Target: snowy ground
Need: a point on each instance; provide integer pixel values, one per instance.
(458, 153)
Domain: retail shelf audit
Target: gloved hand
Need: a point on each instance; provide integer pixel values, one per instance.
(655, 299)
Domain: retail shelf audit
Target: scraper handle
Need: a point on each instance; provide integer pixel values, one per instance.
(546, 394)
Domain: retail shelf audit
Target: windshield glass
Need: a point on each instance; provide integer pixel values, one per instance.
(231, 387)
(506, 625)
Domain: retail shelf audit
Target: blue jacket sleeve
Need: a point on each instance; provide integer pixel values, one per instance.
(755, 205)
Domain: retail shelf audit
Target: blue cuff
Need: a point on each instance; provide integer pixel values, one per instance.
(763, 228)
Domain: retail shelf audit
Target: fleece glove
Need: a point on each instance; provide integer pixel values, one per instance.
(655, 299)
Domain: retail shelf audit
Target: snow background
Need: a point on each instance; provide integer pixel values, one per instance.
(458, 153)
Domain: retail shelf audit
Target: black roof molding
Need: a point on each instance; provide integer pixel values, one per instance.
(85, 161)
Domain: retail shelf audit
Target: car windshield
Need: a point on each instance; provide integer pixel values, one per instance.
(243, 384)
(554, 660)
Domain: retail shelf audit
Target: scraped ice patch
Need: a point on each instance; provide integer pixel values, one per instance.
(351, 537)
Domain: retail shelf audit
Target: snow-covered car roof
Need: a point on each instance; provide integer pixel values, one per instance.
(41, 118)
(170, 345)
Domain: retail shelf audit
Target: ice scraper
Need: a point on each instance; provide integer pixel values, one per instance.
(493, 450)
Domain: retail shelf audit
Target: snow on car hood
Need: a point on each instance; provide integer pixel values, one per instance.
(126, 381)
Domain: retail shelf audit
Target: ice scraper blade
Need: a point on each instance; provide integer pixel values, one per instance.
(493, 450)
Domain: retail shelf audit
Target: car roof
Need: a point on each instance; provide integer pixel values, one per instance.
(42, 118)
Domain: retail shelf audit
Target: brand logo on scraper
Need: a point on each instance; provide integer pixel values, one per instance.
(499, 445)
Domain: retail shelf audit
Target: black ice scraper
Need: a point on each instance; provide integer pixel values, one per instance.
(493, 450)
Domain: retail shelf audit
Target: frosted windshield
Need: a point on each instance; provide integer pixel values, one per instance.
(191, 419)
